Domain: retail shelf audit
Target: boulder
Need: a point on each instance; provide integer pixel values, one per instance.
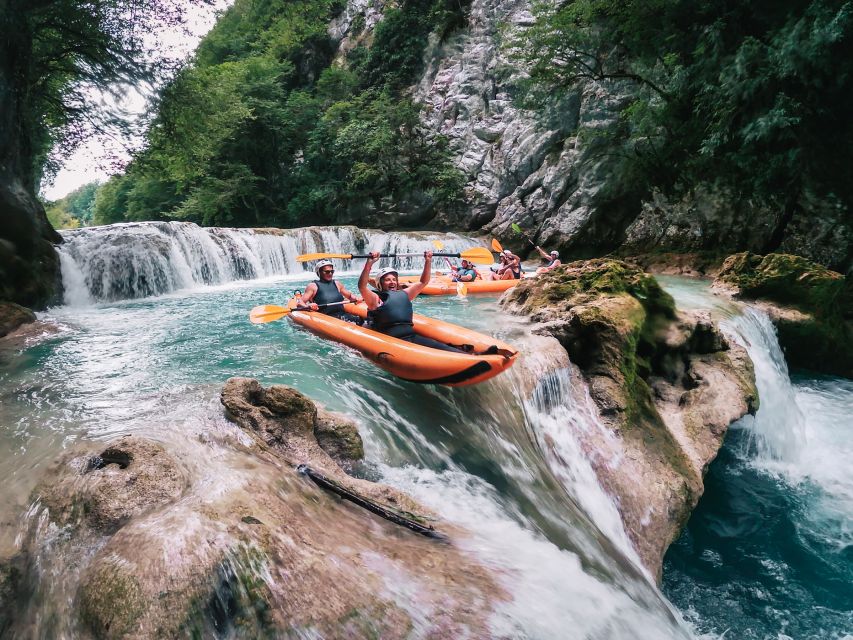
(667, 385)
(106, 488)
(810, 305)
(13, 316)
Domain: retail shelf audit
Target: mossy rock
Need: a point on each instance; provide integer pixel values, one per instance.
(823, 340)
(111, 601)
(791, 280)
(13, 316)
(584, 280)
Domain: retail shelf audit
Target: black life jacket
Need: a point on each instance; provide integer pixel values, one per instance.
(395, 311)
(327, 292)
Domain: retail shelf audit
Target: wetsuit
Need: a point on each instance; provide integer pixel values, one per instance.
(327, 293)
(394, 318)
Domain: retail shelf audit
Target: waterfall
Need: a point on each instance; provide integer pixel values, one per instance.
(562, 417)
(137, 260)
(776, 432)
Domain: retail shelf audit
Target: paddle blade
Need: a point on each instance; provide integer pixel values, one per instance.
(478, 255)
(516, 228)
(461, 289)
(438, 244)
(267, 313)
(307, 257)
(496, 246)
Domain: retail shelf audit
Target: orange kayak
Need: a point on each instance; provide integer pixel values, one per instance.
(414, 362)
(443, 286)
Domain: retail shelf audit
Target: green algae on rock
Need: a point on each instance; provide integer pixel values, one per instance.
(816, 328)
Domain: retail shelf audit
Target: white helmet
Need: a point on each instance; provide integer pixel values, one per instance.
(507, 252)
(384, 271)
(555, 254)
(320, 264)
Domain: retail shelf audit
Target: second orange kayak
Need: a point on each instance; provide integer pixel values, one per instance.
(444, 286)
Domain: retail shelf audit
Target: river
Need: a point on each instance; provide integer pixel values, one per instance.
(146, 342)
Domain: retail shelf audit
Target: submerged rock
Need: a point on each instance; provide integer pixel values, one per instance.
(810, 305)
(666, 383)
(220, 536)
(122, 480)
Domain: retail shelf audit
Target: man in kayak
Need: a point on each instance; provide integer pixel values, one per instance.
(553, 259)
(390, 309)
(326, 290)
(465, 273)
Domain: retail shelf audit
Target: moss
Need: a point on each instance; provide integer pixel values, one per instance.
(792, 280)
(824, 343)
(111, 602)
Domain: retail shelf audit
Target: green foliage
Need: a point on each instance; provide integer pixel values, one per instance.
(74, 210)
(755, 97)
(262, 129)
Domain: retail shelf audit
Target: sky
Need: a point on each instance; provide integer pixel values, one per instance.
(91, 161)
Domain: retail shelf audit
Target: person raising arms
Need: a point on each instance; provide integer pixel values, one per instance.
(390, 309)
(326, 290)
(510, 268)
(553, 259)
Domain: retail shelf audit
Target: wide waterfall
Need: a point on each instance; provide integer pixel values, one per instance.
(137, 260)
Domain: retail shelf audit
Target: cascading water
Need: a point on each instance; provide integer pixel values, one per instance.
(137, 260)
(767, 552)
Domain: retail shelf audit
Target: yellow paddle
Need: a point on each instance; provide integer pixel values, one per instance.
(477, 255)
(270, 312)
(496, 246)
(461, 289)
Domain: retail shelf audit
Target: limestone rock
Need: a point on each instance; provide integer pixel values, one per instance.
(667, 384)
(235, 542)
(13, 316)
(105, 490)
(810, 305)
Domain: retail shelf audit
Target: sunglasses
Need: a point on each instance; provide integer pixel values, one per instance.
(327, 270)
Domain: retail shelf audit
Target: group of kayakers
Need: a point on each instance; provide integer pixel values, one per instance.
(390, 305)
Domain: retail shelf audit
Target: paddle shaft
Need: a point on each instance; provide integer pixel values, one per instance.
(410, 255)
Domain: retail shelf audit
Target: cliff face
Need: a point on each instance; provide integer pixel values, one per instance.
(29, 267)
(552, 173)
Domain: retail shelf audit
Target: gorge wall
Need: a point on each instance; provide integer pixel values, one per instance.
(552, 174)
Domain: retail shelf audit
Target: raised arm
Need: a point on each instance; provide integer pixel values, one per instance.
(370, 298)
(413, 290)
(542, 252)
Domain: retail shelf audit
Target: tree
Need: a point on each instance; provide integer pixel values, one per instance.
(52, 54)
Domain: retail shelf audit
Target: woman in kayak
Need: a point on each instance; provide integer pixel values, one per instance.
(390, 309)
(510, 268)
(465, 273)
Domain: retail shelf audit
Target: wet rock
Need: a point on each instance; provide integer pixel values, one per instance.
(13, 316)
(811, 306)
(105, 489)
(280, 415)
(338, 436)
(667, 384)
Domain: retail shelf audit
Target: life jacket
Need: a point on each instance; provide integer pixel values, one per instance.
(467, 272)
(327, 292)
(394, 315)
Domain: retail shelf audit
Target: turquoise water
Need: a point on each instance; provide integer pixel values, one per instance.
(768, 553)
